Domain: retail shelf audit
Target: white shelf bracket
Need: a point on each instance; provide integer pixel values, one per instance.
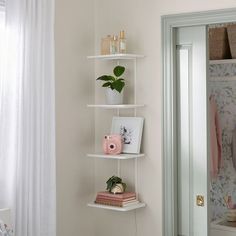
(118, 168)
(118, 112)
(136, 176)
(135, 85)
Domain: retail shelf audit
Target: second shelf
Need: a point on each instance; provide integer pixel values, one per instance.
(123, 106)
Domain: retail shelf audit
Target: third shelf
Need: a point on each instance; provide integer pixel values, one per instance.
(122, 156)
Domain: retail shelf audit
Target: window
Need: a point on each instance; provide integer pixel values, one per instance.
(2, 40)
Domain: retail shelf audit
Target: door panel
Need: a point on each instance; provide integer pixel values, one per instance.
(184, 162)
(191, 56)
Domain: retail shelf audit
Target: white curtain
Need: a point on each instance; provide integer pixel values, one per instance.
(27, 135)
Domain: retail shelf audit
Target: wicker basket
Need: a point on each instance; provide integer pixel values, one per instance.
(218, 44)
(231, 29)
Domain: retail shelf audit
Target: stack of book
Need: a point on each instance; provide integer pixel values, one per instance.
(118, 200)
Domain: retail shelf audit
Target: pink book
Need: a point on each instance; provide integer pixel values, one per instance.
(102, 198)
(117, 196)
(118, 204)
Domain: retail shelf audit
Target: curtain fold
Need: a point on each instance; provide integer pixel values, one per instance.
(27, 117)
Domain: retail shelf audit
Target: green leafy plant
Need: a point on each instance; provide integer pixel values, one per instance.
(114, 82)
(113, 181)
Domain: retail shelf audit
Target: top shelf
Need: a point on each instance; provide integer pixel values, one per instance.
(116, 57)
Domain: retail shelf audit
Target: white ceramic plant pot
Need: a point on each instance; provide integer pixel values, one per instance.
(113, 97)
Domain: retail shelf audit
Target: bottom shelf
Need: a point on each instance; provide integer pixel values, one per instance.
(126, 208)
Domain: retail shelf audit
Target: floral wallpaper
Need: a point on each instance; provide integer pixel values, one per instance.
(225, 96)
(222, 70)
(5, 230)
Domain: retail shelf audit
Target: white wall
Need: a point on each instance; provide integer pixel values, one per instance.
(141, 20)
(74, 37)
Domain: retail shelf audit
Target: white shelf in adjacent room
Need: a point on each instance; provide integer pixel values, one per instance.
(123, 106)
(225, 61)
(123, 156)
(116, 57)
(126, 208)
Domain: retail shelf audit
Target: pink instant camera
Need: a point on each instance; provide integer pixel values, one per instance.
(112, 144)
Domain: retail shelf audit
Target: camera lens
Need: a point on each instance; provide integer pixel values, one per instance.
(112, 146)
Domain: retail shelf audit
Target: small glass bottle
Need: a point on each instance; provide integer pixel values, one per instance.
(114, 45)
(122, 42)
(105, 45)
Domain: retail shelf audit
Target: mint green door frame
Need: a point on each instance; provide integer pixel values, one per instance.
(169, 151)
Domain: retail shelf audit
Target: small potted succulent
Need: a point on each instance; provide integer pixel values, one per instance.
(115, 86)
(115, 185)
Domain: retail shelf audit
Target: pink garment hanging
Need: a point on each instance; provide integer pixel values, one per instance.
(216, 139)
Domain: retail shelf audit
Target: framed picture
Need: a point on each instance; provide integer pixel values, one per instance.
(130, 128)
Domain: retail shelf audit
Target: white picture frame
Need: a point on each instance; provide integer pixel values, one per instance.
(131, 129)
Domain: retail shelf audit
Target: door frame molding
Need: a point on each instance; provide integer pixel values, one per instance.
(169, 147)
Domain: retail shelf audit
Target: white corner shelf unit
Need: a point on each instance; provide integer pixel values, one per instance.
(123, 156)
